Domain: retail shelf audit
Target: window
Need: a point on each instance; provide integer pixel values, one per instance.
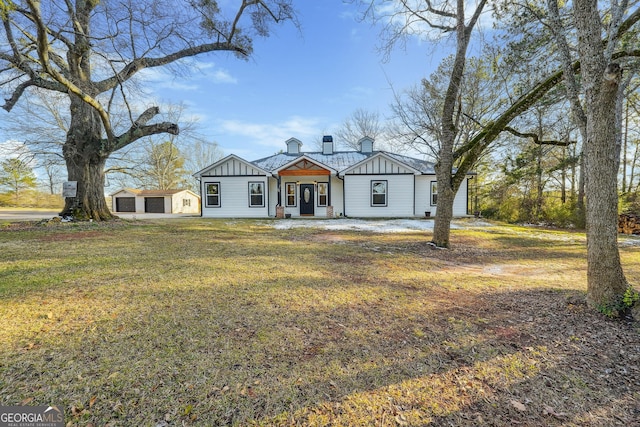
(323, 190)
(186, 202)
(213, 194)
(378, 193)
(256, 194)
(290, 196)
(434, 193)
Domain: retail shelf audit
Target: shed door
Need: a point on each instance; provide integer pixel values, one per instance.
(307, 199)
(154, 204)
(125, 204)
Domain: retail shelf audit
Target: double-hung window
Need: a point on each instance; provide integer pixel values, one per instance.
(256, 194)
(323, 191)
(213, 194)
(434, 193)
(290, 197)
(378, 193)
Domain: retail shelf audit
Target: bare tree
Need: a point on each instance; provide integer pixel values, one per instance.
(359, 124)
(162, 167)
(403, 18)
(90, 51)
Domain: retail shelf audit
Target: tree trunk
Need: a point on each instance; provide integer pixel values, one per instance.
(444, 209)
(85, 158)
(89, 202)
(606, 282)
(444, 167)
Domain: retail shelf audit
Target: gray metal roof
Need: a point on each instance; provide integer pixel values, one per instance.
(341, 160)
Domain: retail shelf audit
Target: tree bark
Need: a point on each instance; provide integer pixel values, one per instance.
(444, 168)
(85, 157)
(606, 282)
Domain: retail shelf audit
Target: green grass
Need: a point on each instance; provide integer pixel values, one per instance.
(213, 322)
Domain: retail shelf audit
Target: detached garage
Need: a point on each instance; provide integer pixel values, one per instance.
(155, 201)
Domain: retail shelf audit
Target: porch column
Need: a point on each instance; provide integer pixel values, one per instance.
(279, 207)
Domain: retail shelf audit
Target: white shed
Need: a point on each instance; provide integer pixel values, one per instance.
(155, 201)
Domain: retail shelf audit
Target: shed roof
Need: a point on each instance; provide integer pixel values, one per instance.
(151, 193)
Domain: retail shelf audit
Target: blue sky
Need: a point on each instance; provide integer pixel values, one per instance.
(298, 83)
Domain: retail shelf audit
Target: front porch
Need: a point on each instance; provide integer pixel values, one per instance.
(304, 189)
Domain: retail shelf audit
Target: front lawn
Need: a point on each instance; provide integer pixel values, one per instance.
(217, 322)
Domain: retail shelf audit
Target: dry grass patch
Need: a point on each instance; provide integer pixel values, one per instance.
(204, 322)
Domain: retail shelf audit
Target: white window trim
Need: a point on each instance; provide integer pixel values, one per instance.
(433, 185)
(326, 194)
(286, 194)
(262, 185)
(386, 193)
(206, 189)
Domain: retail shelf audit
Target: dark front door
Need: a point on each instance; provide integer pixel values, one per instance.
(306, 199)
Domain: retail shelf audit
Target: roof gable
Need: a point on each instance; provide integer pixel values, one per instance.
(304, 165)
(232, 165)
(380, 163)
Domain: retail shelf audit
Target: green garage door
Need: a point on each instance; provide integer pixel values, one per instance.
(125, 204)
(154, 204)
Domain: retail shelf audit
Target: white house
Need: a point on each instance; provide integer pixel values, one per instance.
(155, 201)
(364, 183)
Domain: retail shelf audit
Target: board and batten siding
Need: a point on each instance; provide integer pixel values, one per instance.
(234, 197)
(380, 165)
(423, 197)
(357, 196)
(234, 167)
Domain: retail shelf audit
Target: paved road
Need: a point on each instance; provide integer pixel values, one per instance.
(35, 215)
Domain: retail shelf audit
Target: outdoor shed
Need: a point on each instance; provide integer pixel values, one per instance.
(155, 201)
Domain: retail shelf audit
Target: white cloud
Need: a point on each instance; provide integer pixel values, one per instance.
(222, 76)
(274, 134)
(205, 73)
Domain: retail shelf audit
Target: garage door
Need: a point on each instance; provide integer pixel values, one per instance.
(154, 204)
(125, 204)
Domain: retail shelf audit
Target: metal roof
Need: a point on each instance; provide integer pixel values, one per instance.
(341, 160)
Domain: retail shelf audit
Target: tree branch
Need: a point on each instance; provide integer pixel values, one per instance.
(141, 63)
(140, 129)
(37, 82)
(536, 139)
(43, 53)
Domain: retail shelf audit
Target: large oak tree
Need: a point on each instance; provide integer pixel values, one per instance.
(92, 50)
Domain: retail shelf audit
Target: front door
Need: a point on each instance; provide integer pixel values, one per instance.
(306, 199)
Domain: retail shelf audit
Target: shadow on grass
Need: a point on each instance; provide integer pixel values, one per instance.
(464, 360)
(254, 327)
